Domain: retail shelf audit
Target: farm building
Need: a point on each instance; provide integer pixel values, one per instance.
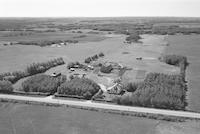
(115, 89)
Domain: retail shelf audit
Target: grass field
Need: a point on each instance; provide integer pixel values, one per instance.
(188, 45)
(36, 119)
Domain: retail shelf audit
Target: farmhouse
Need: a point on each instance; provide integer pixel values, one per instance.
(115, 89)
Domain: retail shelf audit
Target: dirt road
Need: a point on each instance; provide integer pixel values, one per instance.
(90, 104)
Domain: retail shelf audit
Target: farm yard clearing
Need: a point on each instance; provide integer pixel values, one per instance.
(137, 69)
(113, 53)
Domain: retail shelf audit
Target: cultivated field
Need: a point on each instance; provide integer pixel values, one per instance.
(32, 119)
(188, 45)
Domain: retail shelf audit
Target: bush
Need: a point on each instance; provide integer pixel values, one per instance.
(79, 86)
(71, 77)
(176, 60)
(126, 99)
(160, 91)
(133, 37)
(94, 57)
(106, 69)
(43, 83)
(88, 60)
(6, 87)
(101, 54)
(73, 64)
(70, 65)
(132, 86)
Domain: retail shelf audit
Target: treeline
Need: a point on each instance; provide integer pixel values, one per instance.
(75, 64)
(43, 83)
(83, 87)
(46, 42)
(172, 30)
(157, 91)
(176, 60)
(32, 69)
(133, 37)
(95, 57)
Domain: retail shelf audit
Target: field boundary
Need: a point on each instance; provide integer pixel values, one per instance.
(111, 111)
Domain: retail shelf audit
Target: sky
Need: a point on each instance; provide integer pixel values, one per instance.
(99, 8)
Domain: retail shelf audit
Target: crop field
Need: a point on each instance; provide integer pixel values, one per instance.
(188, 45)
(34, 119)
(25, 119)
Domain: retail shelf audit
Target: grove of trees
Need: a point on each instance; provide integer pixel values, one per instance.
(79, 87)
(6, 87)
(106, 69)
(46, 42)
(174, 29)
(72, 64)
(43, 83)
(94, 57)
(159, 91)
(133, 37)
(176, 60)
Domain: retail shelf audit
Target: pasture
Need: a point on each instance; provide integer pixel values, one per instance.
(188, 45)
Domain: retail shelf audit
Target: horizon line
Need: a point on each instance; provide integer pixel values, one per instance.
(99, 16)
